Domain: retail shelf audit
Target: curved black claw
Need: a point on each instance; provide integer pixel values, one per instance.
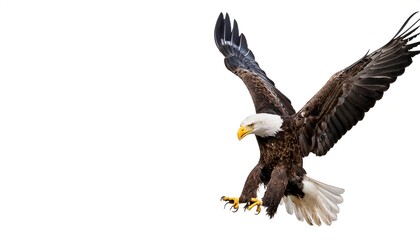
(254, 202)
(231, 200)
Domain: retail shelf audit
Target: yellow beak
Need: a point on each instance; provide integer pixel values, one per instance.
(244, 130)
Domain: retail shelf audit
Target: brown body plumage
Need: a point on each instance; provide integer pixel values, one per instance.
(324, 119)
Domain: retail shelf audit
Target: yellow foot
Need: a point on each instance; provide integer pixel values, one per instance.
(254, 202)
(231, 200)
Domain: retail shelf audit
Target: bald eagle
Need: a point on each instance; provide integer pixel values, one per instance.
(285, 137)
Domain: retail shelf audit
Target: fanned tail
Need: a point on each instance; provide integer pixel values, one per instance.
(320, 202)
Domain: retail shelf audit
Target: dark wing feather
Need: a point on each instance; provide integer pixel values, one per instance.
(241, 61)
(345, 98)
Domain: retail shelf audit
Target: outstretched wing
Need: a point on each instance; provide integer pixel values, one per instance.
(241, 61)
(345, 98)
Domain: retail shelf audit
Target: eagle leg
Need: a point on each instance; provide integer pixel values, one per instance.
(275, 190)
(231, 200)
(254, 202)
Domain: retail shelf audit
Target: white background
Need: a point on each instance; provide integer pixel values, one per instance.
(118, 119)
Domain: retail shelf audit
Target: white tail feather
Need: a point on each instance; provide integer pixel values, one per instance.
(320, 202)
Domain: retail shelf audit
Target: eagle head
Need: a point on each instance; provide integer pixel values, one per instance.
(260, 124)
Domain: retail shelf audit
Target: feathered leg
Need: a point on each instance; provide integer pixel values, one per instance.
(251, 185)
(275, 190)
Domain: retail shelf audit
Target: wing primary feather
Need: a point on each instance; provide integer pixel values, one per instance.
(413, 45)
(403, 26)
(242, 42)
(219, 25)
(226, 32)
(410, 32)
(235, 33)
(414, 53)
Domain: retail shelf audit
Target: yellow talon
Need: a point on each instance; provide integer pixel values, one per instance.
(255, 202)
(232, 200)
